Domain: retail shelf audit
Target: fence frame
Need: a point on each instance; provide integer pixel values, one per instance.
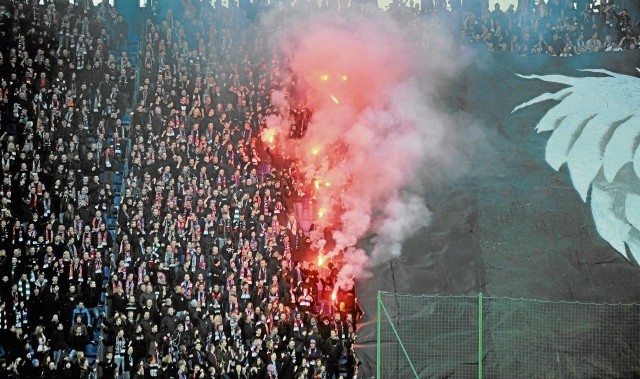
(384, 316)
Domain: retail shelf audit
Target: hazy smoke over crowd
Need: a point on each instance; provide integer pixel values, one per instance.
(375, 130)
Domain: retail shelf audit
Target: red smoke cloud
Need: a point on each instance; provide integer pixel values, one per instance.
(372, 131)
(356, 63)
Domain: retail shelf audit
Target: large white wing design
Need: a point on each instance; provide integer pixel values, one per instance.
(596, 131)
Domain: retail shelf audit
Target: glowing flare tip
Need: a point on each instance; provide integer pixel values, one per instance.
(269, 135)
(335, 99)
(324, 77)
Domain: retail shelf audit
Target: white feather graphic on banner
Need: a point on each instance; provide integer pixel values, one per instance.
(595, 130)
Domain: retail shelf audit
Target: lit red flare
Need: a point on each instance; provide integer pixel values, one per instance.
(319, 183)
(269, 135)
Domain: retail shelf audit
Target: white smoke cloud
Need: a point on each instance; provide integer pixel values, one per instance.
(404, 216)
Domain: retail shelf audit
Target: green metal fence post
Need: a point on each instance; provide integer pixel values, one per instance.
(395, 331)
(379, 337)
(480, 330)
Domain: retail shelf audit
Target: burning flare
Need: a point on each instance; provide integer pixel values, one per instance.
(268, 135)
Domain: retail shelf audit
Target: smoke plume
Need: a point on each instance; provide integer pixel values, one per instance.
(376, 128)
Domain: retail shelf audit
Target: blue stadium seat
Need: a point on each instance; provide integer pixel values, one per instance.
(91, 350)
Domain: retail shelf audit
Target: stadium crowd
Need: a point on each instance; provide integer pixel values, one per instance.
(201, 271)
(552, 27)
(145, 228)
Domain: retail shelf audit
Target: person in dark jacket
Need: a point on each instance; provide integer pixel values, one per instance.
(78, 340)
(107, 365)
(58, 344)
(118, 300)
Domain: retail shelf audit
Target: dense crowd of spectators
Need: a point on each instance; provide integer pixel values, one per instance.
(552, 27)
(533, 27)
(204, 273)
(202, 268)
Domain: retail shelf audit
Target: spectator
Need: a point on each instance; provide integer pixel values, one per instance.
(594, 44)
(78, 340)
(80, 315)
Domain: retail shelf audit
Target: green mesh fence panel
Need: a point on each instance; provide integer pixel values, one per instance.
(438, 336)
(544, 339)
